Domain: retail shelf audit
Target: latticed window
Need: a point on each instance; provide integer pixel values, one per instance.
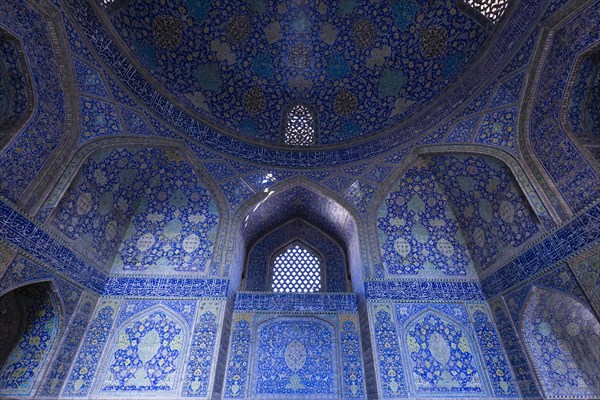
(491, 9)
(296, 270)
(299, 126)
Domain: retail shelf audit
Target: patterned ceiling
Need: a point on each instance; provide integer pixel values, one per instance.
(240, 65)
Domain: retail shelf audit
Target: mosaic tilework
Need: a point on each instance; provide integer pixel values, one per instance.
(391, 379)
(84, 366)
(236, 191)
(437, 135)
(15, 85)
(498, 129)
(22, 160)
(479, 103)
(582, 112)
(351, 53)
(283, 205)
(560, 278)
(516, 354)
(295, 357)
(236, 380)
(99, 119)
(95, 210)
(134, 123)
(260, 256)
(423, 290)
(588, 272)
(351, 360)
(295, 303)
(418, 233)
(174, 224)
(22, 233)
(338, 183)
(592, 110)
(261, 180)
(523, 56)
(379, 174)
(522, 16)
(60, 368)
(147, 355)
(124, 198)
(441, 357)
(22, 271)
(76, 43)
(307, 350)
(202, 351)
(360, 195)
(463, 131)
(438, 350)
(89, 80)
(579, 95)
(119, 94)
(493, 213)
(492, 352)
(559, 332)
(576, 180)
(580, 233)
(169, 287)
(219, 171)
(508, 91)
(20, 370)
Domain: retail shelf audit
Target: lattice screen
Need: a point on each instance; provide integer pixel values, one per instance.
(492, 9)
(299, 126)
(296, 270)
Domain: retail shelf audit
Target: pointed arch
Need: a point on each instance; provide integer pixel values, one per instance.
(562, 339)
(261, 253)
(34, 339)
(292, 198)
(147, 353)
(532, 190)
(93, 197)
(15, 87)
(442, 354)
(285, 343)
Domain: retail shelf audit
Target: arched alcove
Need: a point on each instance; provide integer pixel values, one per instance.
(582, 103)
(562, 337)
(451, 215)
(33, 325)
(124, 199)
(296, 200)
(16, 92)
(261, 257)
(291, 213)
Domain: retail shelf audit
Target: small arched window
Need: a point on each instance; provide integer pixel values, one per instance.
(299, 126)
(297, 269)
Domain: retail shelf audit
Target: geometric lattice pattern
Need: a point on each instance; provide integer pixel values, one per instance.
(299, 126)
(491, 9)
(296, 270)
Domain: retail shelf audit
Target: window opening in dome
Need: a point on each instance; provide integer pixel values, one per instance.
(296, 270)
(491, 9)
(299, 126)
